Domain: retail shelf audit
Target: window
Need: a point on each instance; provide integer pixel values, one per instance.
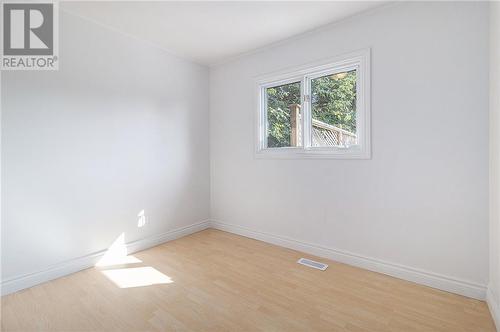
(283, 115)
(317, 111)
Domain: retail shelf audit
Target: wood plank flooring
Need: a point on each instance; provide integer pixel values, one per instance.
(217, 281)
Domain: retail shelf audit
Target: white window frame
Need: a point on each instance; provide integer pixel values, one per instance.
(360, 61)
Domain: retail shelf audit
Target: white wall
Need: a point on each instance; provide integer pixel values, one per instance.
(422, 200)
(494, 284)
(121, 127)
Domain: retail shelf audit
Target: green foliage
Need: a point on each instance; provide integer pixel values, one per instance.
(333, 102)
(278, 113)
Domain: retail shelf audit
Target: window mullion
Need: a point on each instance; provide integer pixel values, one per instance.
(306, 122)
(263, 119)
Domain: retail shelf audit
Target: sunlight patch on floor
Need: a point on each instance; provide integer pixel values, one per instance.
(137, 277)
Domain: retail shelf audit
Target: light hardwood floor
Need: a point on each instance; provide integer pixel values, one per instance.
(225, 282)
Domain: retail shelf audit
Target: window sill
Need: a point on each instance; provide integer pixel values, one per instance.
(312, 153)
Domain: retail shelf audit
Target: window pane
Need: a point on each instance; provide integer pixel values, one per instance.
(283, 116)
(333, 108)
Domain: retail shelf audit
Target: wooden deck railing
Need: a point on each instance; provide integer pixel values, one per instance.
(323, 134)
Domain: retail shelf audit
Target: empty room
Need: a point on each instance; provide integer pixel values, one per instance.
(250, 166)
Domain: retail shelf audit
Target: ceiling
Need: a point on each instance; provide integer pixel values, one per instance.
(213, 32)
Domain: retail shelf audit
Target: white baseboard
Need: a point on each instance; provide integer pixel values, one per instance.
(449, 284)
(434, 280)
(77, 264)
(494, 308)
